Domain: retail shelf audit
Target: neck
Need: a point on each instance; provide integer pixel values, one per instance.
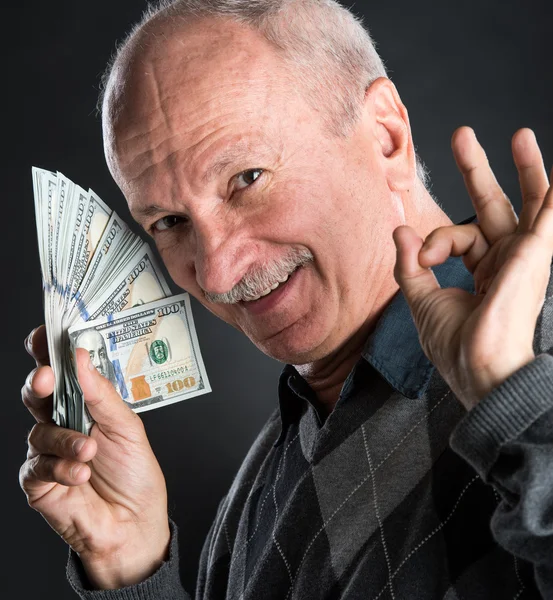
(327, 375)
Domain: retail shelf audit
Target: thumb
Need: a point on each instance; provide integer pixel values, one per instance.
(102, 400)
(416, 282)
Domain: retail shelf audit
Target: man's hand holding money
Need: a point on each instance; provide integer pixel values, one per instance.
(104, 494)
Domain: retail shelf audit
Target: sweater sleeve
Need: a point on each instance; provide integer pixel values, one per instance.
(164, 584)
(508, 440)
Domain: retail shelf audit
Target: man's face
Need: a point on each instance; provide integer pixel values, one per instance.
(93, 342)
(230, 170)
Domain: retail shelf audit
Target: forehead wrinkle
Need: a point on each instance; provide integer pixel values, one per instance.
(151, 153)
(165, 93)
(157, 94)
(160, 108)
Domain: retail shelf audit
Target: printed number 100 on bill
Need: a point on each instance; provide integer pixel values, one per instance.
(150, 353)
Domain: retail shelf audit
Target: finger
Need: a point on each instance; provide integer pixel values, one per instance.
(48, 438)
(415, 281)
(36, 345)
(496, 215)
(37, 475)
(104, 403)
(532, 176)
(543, 224)
(467, 241)
(36, 393)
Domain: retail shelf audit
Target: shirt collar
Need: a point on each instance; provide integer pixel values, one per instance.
(392, 348)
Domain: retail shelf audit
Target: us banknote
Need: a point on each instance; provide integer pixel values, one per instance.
(94, 269)
(150, 353)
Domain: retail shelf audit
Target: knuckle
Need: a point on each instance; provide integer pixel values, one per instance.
(65, 441)
(469, 169)
(25, 396)
(533, 196)
(435, 233)
(41, 468)
(24, 475)
(59, 440)
(27, 399)
(482, 196)
(33, 434)
(30, 472)
(33, 469)
(137, 422)
(27, 388)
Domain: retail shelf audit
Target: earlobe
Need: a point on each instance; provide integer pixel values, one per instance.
(393, 133)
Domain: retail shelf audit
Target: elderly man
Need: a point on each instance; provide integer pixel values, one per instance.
(261, 145)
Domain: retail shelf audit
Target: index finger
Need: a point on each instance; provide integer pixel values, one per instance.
(36, 345)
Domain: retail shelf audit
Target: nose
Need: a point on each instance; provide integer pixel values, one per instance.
(223, 254)
(96, 359)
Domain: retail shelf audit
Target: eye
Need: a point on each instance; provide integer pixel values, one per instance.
(246, 178)
(167, 222)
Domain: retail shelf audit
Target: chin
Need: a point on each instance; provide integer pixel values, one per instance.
(295, 346)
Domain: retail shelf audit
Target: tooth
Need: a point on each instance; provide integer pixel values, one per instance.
(269, 289)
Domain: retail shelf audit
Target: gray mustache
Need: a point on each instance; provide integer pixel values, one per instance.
(259, 279)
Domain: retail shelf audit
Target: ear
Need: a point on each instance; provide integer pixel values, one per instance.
(392, 132)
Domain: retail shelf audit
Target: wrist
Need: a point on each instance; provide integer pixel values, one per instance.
(493, 377)
(128, 565)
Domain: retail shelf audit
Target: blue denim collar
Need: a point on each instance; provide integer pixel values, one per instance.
(393, 347)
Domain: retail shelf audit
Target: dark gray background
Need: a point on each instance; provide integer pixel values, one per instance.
(484, 63)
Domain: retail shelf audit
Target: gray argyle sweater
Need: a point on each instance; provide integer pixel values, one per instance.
(398, 494)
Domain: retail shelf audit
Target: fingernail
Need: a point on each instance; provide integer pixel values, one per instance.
(78, 445)
(75, 471)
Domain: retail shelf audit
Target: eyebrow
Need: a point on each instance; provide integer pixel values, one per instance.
(229, 156)
(147, 211)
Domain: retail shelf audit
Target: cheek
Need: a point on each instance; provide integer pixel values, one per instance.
(296, 212)
(176, 258)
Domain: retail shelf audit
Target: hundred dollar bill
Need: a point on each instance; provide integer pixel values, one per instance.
(139, 283)
(91, 221)
(150, 353)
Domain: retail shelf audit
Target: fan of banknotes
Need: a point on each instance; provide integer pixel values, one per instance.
(104, 291)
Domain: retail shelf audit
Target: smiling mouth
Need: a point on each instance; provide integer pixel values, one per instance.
(270, 289)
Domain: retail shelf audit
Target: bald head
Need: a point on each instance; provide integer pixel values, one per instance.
(171, 76)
